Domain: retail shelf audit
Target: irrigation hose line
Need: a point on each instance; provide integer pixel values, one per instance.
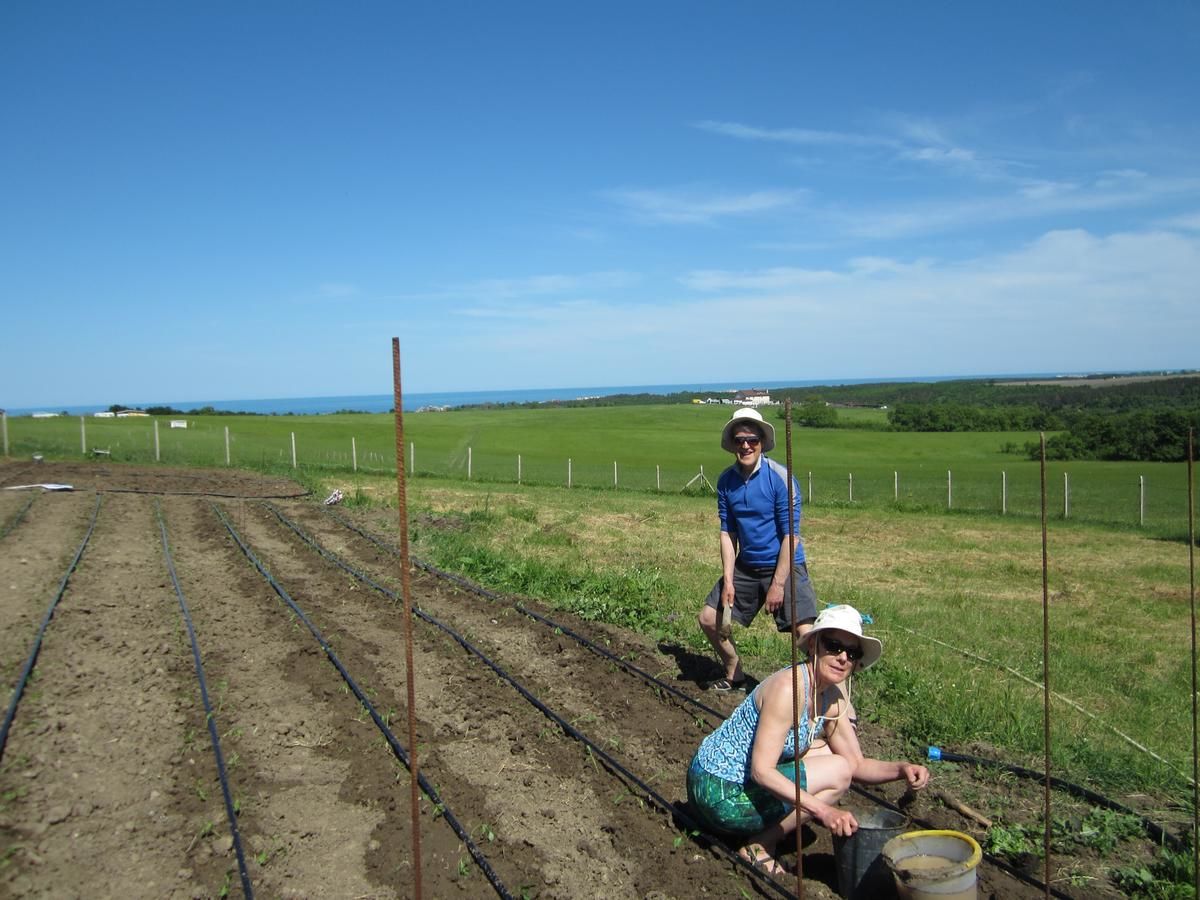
(468, 585)
(1155, 831)
(397, 749)
(37, 642)
(567, 728)
(209, 715)
(16, 520)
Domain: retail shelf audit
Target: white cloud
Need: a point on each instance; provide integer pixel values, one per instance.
(693, 207)
(802, 136)
(1067, 300)
(1186, 222)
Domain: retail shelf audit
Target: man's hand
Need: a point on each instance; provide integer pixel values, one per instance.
(774, 597)
(727, 593)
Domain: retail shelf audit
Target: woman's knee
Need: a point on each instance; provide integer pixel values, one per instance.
(829, 772)
(707, 618)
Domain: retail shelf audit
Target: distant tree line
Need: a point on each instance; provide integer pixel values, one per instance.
(960, 417)
(1153, 435)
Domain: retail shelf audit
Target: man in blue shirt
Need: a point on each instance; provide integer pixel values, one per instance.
(756, 545)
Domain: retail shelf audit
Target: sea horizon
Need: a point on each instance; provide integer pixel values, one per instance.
(379, 403)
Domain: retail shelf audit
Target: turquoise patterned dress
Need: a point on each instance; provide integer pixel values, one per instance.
(720, 790)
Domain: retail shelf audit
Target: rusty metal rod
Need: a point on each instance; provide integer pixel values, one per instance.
(787, 430)
(1045, 669)
(406, 595)
(1191, 511)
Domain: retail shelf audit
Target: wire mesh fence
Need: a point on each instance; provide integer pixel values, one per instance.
(1152, 495)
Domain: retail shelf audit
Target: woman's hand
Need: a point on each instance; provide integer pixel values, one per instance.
(915, 776)
(839, 821)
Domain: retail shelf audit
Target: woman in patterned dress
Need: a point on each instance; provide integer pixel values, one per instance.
(742, 779)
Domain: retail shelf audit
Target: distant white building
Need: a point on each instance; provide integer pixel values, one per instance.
(179, 423)
(44, 415)
(105, 415)
(753, 397)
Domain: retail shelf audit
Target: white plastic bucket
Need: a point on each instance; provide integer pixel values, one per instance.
(934, 865)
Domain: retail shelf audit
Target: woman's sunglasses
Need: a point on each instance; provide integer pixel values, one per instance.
(833, 647)
(750, 439)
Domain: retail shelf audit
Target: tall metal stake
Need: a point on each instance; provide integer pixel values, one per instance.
(796, 682)
(1045, 668)
(406, 594)
(1191, 499)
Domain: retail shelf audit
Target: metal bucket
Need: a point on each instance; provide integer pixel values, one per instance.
(861, 871)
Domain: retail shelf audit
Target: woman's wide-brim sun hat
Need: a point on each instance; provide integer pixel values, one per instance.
(740, 417)
(847, 618)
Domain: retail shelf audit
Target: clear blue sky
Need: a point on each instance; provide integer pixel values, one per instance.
(218, 200)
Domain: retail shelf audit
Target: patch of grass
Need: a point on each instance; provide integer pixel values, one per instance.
(956, 600)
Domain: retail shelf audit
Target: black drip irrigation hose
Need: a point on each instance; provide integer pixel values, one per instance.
(19, 690)
(397, 749)
(16, 520)
(1155, 831)
(205, 494)
(468, 585)
(209, 715)
(567, 728)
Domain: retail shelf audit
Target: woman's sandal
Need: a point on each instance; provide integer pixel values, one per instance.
(757, 856)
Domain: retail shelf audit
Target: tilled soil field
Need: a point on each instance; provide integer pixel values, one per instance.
(564, 770)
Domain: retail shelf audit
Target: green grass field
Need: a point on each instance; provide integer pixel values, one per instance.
(645, 448)
(956, 598)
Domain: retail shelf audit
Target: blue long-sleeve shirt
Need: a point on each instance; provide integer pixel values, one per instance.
(754, 511)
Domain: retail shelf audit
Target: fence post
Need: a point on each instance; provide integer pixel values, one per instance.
(157, 455)
(518, 468)
(4, 428)
(293, 449)
(851, 487)
(468, 464)
(1003, 493)
(412, 457)
(657, 468)
(568, 471)
(949, 490)
(896, 486)
(614, 474)
(353, 453)
(1141, 500)
(226, 445)
(82, 437)
(810, 487)
(1066, 496)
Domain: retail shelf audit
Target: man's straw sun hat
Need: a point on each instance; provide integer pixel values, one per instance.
(741, 417)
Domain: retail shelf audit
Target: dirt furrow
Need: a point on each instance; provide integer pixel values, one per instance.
(547, 801)
(33, 558)
(92, 761)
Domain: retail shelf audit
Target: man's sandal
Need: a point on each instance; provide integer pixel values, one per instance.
(724, 685)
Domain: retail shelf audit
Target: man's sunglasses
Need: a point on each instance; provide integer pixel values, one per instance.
(750, 439)
(835, 647)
